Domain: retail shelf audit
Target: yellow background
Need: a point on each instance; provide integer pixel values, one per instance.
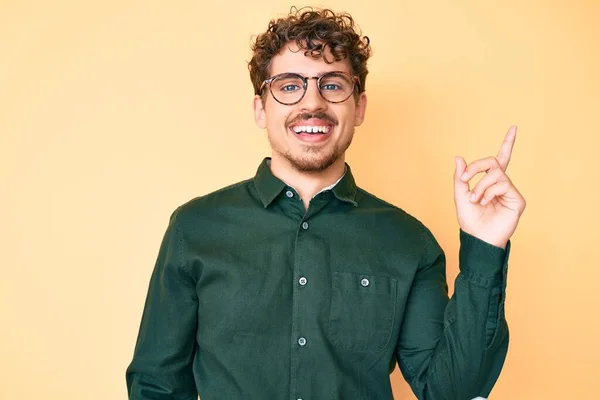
(112, 113)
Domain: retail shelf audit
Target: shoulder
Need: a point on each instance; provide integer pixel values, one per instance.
(396, 219)
(368, 202)
(236, 194)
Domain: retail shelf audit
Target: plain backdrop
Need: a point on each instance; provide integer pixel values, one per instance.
(113, 113)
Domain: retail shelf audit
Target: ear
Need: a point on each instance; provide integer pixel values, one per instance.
(361, 109)
(259, 112)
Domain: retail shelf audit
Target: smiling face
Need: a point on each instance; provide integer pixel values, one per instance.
(314, 134)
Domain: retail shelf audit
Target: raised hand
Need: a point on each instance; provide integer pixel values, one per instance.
(490, 211)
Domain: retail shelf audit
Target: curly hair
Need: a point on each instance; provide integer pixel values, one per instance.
(312, 31)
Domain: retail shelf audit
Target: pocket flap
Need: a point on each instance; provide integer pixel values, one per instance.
(353, 282)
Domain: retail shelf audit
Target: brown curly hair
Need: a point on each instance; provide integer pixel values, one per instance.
(312, 31)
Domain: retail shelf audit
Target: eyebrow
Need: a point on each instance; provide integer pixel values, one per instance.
(319, 74)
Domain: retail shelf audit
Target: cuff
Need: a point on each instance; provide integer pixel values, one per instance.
(481, 259)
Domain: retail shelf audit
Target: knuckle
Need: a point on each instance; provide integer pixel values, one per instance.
(498, 174)
(504, 182)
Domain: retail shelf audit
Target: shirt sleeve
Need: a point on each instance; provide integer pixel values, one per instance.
(162, 362)
(454, 349)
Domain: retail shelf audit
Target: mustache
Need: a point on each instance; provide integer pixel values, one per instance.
(318, 115)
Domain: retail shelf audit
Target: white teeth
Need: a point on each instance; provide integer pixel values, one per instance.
(311, 129)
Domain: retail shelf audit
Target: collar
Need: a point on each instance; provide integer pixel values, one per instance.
(269, 186)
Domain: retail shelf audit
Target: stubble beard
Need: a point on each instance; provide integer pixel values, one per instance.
(314, 159)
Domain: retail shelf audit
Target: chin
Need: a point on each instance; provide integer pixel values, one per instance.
(312, 164)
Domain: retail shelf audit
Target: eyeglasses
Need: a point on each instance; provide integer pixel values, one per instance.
(289, 88)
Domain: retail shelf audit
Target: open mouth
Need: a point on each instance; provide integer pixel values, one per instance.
(312, 129)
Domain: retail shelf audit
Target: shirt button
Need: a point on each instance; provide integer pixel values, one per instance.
(289, 193)
(364, 282)
(305, 225)
(302, 281)
(302, 341)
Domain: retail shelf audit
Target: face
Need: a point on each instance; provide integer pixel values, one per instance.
(288, 126)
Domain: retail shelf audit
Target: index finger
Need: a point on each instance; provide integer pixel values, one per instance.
(505, 151)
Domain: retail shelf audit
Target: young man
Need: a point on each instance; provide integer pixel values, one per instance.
(297, 284)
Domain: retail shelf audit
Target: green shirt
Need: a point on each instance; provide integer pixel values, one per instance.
(255, 297)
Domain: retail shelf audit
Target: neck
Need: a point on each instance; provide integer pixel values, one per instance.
(307, 184)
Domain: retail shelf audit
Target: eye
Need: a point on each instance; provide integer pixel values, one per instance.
(289, 88)
(331, 87)
(335, 82)
(287, 83)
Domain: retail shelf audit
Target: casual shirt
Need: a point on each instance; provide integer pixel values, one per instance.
(255, 297)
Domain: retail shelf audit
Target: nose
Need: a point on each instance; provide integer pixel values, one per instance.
(312, 100)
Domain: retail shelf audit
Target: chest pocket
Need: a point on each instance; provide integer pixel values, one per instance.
(362, 311)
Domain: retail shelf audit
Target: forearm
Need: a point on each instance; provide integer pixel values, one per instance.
(468, 357)
(162, 365)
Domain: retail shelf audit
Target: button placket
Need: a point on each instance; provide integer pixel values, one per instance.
(301, 350)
